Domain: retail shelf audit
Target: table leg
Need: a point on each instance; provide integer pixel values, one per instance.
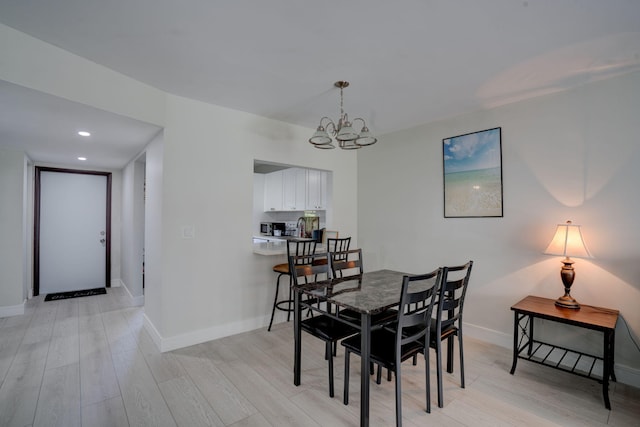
(530, 350)
(365, 349)
(297, 338)
(606, 368)
(450, 354)
(515, 342)
(613, 352)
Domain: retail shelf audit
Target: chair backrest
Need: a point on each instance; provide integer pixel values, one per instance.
(452, 293)
(346, 263)
(308, 267)
(338, 245)
(417, 300)
(302, 249)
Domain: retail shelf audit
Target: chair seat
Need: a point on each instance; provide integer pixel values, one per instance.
(383, 347)
(281, 268)
(327, 328)
(446, 332)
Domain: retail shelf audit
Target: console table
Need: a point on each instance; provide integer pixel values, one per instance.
(525, 346)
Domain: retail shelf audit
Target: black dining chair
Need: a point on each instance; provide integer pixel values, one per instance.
(349, 265)
(301, 249)
(306, 272)
(391, 346)
(448, 320)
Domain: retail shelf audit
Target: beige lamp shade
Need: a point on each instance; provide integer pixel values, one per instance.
(568, 242)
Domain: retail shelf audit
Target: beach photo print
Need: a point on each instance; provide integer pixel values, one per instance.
(472, 165)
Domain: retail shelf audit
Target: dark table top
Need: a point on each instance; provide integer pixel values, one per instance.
(376, 291)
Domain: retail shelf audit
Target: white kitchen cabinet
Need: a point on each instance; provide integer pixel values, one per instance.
(273, 191)
(316, 190)
(294, 189)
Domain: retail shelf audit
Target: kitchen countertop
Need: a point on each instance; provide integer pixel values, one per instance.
(277, 245)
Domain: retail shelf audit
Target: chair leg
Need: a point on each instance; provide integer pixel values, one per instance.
(388, 374)
(461, 358)
(439, 371)
(379, 375)
(345, 398)
(275, 301)
(427, 371)
(328, 346)
(398, 396)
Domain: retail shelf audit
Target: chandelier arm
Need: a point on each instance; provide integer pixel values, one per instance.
(327, 118)
(364, 124)
(331, 127)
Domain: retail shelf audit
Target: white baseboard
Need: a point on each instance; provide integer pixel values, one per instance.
(488, 335)
(627, 375)
(202, 335)
(135, 301)
(115, 283)
(153, 332)
(624, 374)
(12, 310)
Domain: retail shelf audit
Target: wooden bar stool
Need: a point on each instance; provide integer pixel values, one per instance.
(302, 250)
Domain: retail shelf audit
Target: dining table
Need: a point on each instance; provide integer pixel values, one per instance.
(367, 294)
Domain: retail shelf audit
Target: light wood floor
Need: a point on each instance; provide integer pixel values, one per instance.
(88, 361)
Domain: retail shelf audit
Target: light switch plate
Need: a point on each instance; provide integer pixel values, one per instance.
(188, 232)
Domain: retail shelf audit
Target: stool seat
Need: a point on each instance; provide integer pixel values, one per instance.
(281, 268)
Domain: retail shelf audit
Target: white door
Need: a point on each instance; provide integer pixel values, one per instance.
(72, 231)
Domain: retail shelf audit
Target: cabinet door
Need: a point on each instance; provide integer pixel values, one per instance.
(273, 191)
(294, 189)
(316, 190)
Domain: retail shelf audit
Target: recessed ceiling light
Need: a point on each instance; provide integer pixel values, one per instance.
(84, 133)
(82, 158)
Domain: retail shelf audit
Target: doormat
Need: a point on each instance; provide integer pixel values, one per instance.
(75, 294)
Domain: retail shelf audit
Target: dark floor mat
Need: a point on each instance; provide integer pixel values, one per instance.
(75, 294)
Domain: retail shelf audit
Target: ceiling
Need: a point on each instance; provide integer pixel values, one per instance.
(409, 61)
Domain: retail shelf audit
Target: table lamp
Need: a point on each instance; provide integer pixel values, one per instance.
(568, 242)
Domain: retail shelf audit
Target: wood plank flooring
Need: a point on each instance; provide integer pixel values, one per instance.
(89, 362)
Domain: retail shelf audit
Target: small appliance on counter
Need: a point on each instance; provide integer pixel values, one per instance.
(273, 228)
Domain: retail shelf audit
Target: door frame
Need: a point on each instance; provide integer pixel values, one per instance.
(36, 222)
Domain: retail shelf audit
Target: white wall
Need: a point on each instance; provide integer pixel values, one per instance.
(573, 156)
(213, 285)
(12, 229)
(132, 231)
(154, 306)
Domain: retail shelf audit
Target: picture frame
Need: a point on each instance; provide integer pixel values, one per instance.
(472, 174)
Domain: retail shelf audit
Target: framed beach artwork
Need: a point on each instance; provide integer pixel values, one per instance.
(472, 165)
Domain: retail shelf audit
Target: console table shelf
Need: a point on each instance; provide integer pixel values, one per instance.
(564, 359)
(526, 346)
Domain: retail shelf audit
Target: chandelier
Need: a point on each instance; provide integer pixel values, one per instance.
(348, 138)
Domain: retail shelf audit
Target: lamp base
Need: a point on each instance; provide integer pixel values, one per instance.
(567, 301)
